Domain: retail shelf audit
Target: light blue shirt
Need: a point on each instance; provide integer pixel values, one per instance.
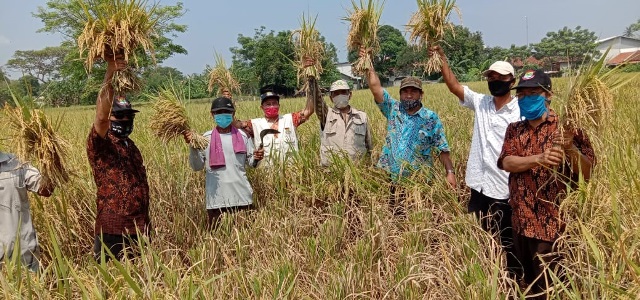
(412, 141)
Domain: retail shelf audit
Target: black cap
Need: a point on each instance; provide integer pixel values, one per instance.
(122, 106)
(534, 78)
(269, 95)
(222, 103)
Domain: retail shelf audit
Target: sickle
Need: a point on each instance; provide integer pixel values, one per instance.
(265, 132)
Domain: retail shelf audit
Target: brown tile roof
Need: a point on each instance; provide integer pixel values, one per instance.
(627, 57)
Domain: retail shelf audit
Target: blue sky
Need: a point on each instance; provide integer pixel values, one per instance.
(215, 24)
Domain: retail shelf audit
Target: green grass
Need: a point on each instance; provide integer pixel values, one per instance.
(328, 233)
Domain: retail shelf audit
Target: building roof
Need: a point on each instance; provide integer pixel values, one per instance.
(346, 70)
(615, 37)
(625, 57)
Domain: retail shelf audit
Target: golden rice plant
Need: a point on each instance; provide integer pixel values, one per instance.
(222, 78)
(114, 28)
(169, 120)
(428, 26)
(590, 98)
(363, 32)
(34, 138)
(307, 45)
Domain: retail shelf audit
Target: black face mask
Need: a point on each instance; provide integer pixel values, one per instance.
(499, 88)
(122, 128)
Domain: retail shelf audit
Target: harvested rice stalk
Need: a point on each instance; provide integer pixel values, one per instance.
(308, 47)
(117, 27)
(428, 25)
(169, 120)
(222, 78)
(35, 139)
(363, 32)
(590, 99)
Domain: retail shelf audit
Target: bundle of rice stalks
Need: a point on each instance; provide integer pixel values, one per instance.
(590, 99)
(222, 78)
(363, 32)
(169, 120)
(34, 139)
(428, 25)
(114, 28)
(308, 46)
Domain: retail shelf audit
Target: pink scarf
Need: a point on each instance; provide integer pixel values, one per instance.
(216, 154)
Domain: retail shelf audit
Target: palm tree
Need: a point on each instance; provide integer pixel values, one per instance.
(631, 29)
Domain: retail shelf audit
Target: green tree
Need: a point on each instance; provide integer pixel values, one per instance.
(576, 45)
(42, 64)
(392, 46)
(64, 17)
(632, 30)
(463, 49)
(156, 78)
(267, 58)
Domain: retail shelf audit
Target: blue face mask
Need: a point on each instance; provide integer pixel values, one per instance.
(223, 120)
(532, 106)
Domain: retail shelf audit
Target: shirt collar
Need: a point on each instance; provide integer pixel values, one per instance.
(511, 105)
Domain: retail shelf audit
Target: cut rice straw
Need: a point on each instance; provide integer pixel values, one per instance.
(363, 32)
(307, 46)
(222, 78)
(169, 120)
(117, 28)
(428, 26)
(590, 99)
(35, 139)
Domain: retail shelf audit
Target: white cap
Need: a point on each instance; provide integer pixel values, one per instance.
(501, 67)
(339, 85)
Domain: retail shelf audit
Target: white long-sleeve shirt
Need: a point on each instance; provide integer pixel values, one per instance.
(226, 186)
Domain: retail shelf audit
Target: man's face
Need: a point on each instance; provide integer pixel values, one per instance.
(118, 116)
(269, 103)
(340, 92)
(532, 91)
(223, 111)
(493, 76)
(410, 93)
(226, 94)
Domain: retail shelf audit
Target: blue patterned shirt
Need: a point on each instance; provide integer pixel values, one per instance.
(412, 140)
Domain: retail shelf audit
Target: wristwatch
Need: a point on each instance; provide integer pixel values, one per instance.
(450, 171)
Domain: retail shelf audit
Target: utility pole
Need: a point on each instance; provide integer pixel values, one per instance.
(526, 21)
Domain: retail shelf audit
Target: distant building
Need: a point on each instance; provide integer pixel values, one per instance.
(619, 44)
(346, 74)
(625, 58)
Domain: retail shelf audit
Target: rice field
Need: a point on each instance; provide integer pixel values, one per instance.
(329, 233)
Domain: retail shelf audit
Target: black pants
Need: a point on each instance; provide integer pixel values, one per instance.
(213, 215)
(495, 217)
(116, 243)
(533, 254)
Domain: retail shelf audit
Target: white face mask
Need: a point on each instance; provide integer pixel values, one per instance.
(340, 101)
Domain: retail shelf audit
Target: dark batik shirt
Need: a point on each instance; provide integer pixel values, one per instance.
(122, 195)
(535, 194)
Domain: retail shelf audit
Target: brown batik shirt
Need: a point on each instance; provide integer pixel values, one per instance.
(535, 194)
(122, 195)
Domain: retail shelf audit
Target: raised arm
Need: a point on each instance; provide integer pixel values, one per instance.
(373, 81)
(449, 78)
(106, 95)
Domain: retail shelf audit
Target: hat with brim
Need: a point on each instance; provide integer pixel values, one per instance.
(533, 79)
(269, 95)
(122, 106)
(339, 85)
(414, 82)
(222, 103)
(500, 67)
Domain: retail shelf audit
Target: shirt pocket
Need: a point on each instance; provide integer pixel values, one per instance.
(330, 127)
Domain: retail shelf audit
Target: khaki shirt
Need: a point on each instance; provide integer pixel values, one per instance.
(352, 137)
(16, 179)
